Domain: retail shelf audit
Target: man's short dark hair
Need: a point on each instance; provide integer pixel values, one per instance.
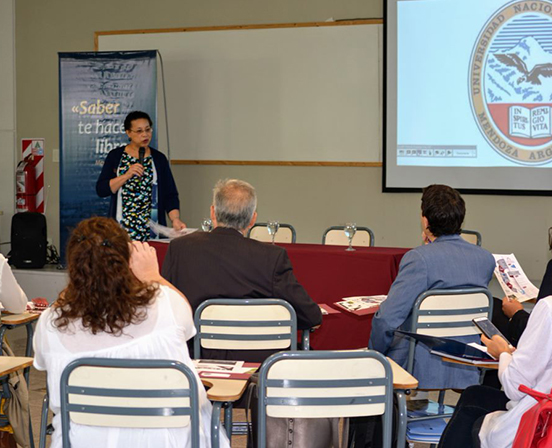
(444, 209)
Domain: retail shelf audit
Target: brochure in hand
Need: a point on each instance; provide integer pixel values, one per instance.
(450, 348)
(512, 279)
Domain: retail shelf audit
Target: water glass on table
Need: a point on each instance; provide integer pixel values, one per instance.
(272, 227)
(350, 230)
(207, 225)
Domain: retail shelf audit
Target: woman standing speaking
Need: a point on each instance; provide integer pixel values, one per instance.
(139, 181)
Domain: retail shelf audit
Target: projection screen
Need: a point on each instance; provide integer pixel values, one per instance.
(468, 95)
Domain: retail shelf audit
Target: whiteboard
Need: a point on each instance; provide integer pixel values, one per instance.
(282, 94)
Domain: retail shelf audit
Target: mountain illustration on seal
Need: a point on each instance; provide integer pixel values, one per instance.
(522, 74)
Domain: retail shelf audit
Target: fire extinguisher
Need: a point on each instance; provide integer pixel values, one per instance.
(25, 199)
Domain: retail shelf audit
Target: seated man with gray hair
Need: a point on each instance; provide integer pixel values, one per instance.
(226, 264)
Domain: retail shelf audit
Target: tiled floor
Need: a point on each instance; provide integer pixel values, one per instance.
(17, 339)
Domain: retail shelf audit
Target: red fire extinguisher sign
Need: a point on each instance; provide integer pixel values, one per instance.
(30, 177)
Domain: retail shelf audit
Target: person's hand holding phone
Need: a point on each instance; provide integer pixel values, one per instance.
(497, 345)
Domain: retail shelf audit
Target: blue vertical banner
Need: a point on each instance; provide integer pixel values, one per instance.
(97, 90)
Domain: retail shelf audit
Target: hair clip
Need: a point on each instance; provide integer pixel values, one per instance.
(106, 242)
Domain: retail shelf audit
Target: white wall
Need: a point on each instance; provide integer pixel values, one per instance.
(8, 145)
(311, 198)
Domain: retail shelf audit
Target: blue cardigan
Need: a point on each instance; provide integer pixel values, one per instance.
(167, 192)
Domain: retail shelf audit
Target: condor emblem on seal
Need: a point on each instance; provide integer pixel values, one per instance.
(511, 81)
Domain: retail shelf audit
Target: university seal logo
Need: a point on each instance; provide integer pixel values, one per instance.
(511, 82)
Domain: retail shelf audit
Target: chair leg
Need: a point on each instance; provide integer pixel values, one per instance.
(31, 438)
(44, 422)
(215, 424)
(441, 401)
(28, 350)
(401, 424)
(228, 418)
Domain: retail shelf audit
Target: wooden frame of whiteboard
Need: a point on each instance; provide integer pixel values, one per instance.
(97, 34)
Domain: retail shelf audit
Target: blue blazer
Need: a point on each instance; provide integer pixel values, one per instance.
(448, 262)
(167, 192)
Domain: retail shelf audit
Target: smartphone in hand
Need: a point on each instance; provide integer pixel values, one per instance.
(488, 328)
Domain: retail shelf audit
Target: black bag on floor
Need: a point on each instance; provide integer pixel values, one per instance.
(28, 240)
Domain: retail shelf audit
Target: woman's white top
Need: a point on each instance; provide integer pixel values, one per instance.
(12, 296)
(531, 365)
(162, 335)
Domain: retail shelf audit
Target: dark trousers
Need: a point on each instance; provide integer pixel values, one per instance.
(500, 321)
(475, 403)
(367, 432)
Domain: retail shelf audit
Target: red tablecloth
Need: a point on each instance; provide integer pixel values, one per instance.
(330, 273)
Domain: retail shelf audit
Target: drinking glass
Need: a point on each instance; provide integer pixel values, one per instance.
(272, 227)
(207, 225)
(350, 230)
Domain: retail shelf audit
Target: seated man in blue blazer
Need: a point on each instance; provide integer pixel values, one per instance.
(445, 261)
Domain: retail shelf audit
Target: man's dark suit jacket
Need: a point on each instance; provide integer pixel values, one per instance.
(225, 264)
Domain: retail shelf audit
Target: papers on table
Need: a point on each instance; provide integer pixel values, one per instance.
(326, 309)
(512, 279)
(209, 368)
(361, 305)
(169, 232)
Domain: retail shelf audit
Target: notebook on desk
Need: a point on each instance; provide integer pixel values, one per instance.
(451, 348)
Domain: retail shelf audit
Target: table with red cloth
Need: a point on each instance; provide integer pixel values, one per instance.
(329, 273)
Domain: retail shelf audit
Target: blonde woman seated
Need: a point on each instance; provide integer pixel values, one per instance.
(116, 305)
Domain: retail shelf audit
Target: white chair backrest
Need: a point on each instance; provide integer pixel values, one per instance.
(336, 237)
(90, 377)
(243, 326)
(332, 370)
(451, 315)
(260, 233)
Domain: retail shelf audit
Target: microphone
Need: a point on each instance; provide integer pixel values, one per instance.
(141, 154)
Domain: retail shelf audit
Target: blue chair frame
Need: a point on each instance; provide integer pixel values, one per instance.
(5, 326)
(417, 313)
(344, 382)
(199, 322)
(192, 392)
(443, 411)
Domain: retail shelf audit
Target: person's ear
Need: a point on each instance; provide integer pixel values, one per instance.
(425, 224)
(213, 216)
(253, 221)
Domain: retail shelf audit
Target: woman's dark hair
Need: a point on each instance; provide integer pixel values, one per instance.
(444, 209)
(102, 291)
(136, 115)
